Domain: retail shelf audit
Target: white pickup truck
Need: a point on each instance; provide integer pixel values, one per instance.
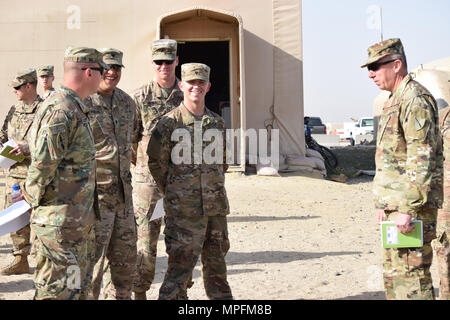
(363, 126)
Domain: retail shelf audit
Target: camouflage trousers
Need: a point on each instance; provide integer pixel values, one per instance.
(407, 270)
(188, 238)
(21, 238)
(115, 252)
(64, 262)
(441, 246)
(145, 196)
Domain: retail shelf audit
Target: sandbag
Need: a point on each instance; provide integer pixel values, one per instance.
(301, 168)
(266, 169)
(262, 170)
(300, 161)
(313, 153)
(319, 164)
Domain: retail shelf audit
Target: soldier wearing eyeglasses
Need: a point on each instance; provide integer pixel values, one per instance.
(408, 180)
(61, 181)
(153, 100)
(17, 127)
(112, 116)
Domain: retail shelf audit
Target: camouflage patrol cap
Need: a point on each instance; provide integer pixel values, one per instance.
(46, 70)
(84, 54)
(24, 76)
(195, 71)
(164, 49)
(112, 56)
(383, 49)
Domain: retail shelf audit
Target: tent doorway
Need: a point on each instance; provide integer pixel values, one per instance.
(216, 55)
(214, 37)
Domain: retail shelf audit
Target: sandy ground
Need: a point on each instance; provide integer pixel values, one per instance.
(292, 237)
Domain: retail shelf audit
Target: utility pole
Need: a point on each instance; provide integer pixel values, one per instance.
(381, 22)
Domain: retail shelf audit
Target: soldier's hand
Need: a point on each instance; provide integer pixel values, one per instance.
(17, 150)
(379, 213)
(403, 223)
(17, 199)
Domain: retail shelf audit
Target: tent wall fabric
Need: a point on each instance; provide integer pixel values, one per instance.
(266, 62)
(288, 85)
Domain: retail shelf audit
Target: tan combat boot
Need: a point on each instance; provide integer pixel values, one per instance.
(18, 266)
(140, 296)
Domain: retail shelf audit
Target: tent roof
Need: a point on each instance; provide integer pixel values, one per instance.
(440, 64)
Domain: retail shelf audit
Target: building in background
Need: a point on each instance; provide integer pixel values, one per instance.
(254, 48)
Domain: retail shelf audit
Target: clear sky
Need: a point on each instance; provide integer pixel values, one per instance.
(336, 35)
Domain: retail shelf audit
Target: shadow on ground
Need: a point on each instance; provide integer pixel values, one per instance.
(17, 286)
(244, 258)
(235, 258)
(232, 218)
(377, 295)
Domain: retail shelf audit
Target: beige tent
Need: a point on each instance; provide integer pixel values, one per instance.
(435, 76)
(254, 48)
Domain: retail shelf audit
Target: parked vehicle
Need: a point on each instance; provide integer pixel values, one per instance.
(315, 125)
(362, 127)
(351, 130)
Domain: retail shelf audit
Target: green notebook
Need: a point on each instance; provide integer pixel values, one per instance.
(392, 238)
(6, 154)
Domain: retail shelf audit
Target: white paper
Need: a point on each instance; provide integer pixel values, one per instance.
(159, 210)
(391, 235)
(15, 217)
(5, 163)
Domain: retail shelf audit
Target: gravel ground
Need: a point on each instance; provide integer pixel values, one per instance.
(292, 237)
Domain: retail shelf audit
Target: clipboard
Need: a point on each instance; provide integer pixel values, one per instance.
(392, 238)
(5, 153)
(6, 159)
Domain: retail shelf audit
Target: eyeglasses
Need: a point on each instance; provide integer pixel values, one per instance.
(160, 62)
(18, 87)
(115, 67)
(375, 66)
(99, 69)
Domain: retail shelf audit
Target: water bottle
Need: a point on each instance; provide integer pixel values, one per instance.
(15, 191)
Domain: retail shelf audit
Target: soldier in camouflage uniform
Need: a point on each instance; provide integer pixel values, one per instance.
(46, 78)
(195, 199)
(441, 244)
(17, 127)
(111, 116)
(60, 185)
(408, 180)
(152, 101)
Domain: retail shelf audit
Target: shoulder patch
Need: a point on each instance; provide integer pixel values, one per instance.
(57, 128)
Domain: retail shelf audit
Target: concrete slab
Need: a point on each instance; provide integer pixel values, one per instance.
(363, 137)
(327, 140)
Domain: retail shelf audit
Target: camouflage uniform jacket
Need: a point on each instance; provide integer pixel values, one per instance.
(151, 105)
(17, 127)
(194, 187)
(444, 124)
(52, 91)
(113, 130)
(60, 185)
(409, 151)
